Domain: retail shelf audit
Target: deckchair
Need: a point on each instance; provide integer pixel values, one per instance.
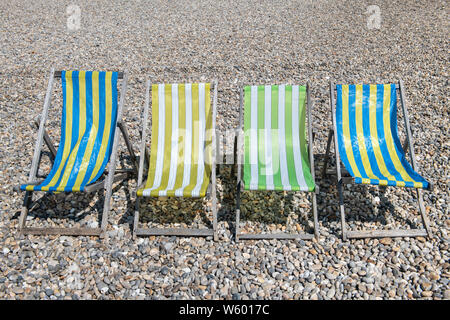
(277, 155)
(89, 140)
(366, 140)
(182, 156)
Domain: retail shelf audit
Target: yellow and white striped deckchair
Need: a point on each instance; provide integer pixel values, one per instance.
(367, 143)
(276, 155)
(90, 115)
(181, 158)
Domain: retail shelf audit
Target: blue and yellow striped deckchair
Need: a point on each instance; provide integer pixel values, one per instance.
(276, 155)
(90, 114)
(368, 144)
(181, 158)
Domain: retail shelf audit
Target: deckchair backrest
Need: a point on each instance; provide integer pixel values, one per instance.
(181, 153)
(275, 145)
(369, 146)
(88, 125)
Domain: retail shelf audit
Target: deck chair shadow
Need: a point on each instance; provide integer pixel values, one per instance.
(276, 154)
(91, 115)
(366, 140)
(182, 157)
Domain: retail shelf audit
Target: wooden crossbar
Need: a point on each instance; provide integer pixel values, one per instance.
(184, 232)
(120, 74)
(62, 231)
(387, 233)
(286, 236)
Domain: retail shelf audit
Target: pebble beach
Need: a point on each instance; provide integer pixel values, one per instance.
(235, 42)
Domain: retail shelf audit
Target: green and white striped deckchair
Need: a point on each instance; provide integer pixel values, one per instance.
(90, 116)
(275, 147)
(367, 143)
(181, 158)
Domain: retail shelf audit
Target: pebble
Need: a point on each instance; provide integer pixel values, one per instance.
(49, 292)
(331, 293)
(447, 294)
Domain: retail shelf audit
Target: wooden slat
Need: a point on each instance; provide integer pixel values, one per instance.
(58, 74)
(326, 156)
(174, 232)
(332, 172)
(130, 171)
(387, 233)
(99, 185)
(126, 137)
(63, 231)
(303, 236)
(47, 139)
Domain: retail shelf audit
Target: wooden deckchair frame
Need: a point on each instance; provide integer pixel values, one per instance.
(211, 192)
(109, 178)
(240, 185)
(350, 180)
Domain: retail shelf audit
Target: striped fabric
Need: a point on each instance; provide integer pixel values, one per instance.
(87, 131)
(275, 146)
(368, 140)
(181, 141)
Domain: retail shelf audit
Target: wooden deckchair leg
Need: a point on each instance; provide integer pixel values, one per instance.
(22, 218)
(423, 212)
(238, 192)
(112, 165)
(338, 164)
(214, 169)
(238, 150)
(315, 216)
(136, 218)
(342, 209)
(410, 144)
(311, 161)
(142, 157)
(214, 211)
(238, 211)
(25, 209)
(327, 154)
(214, 198)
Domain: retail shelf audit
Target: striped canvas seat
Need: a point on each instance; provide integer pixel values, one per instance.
(87, 131)
(275, 146)
(180, 159)
(368, 141)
